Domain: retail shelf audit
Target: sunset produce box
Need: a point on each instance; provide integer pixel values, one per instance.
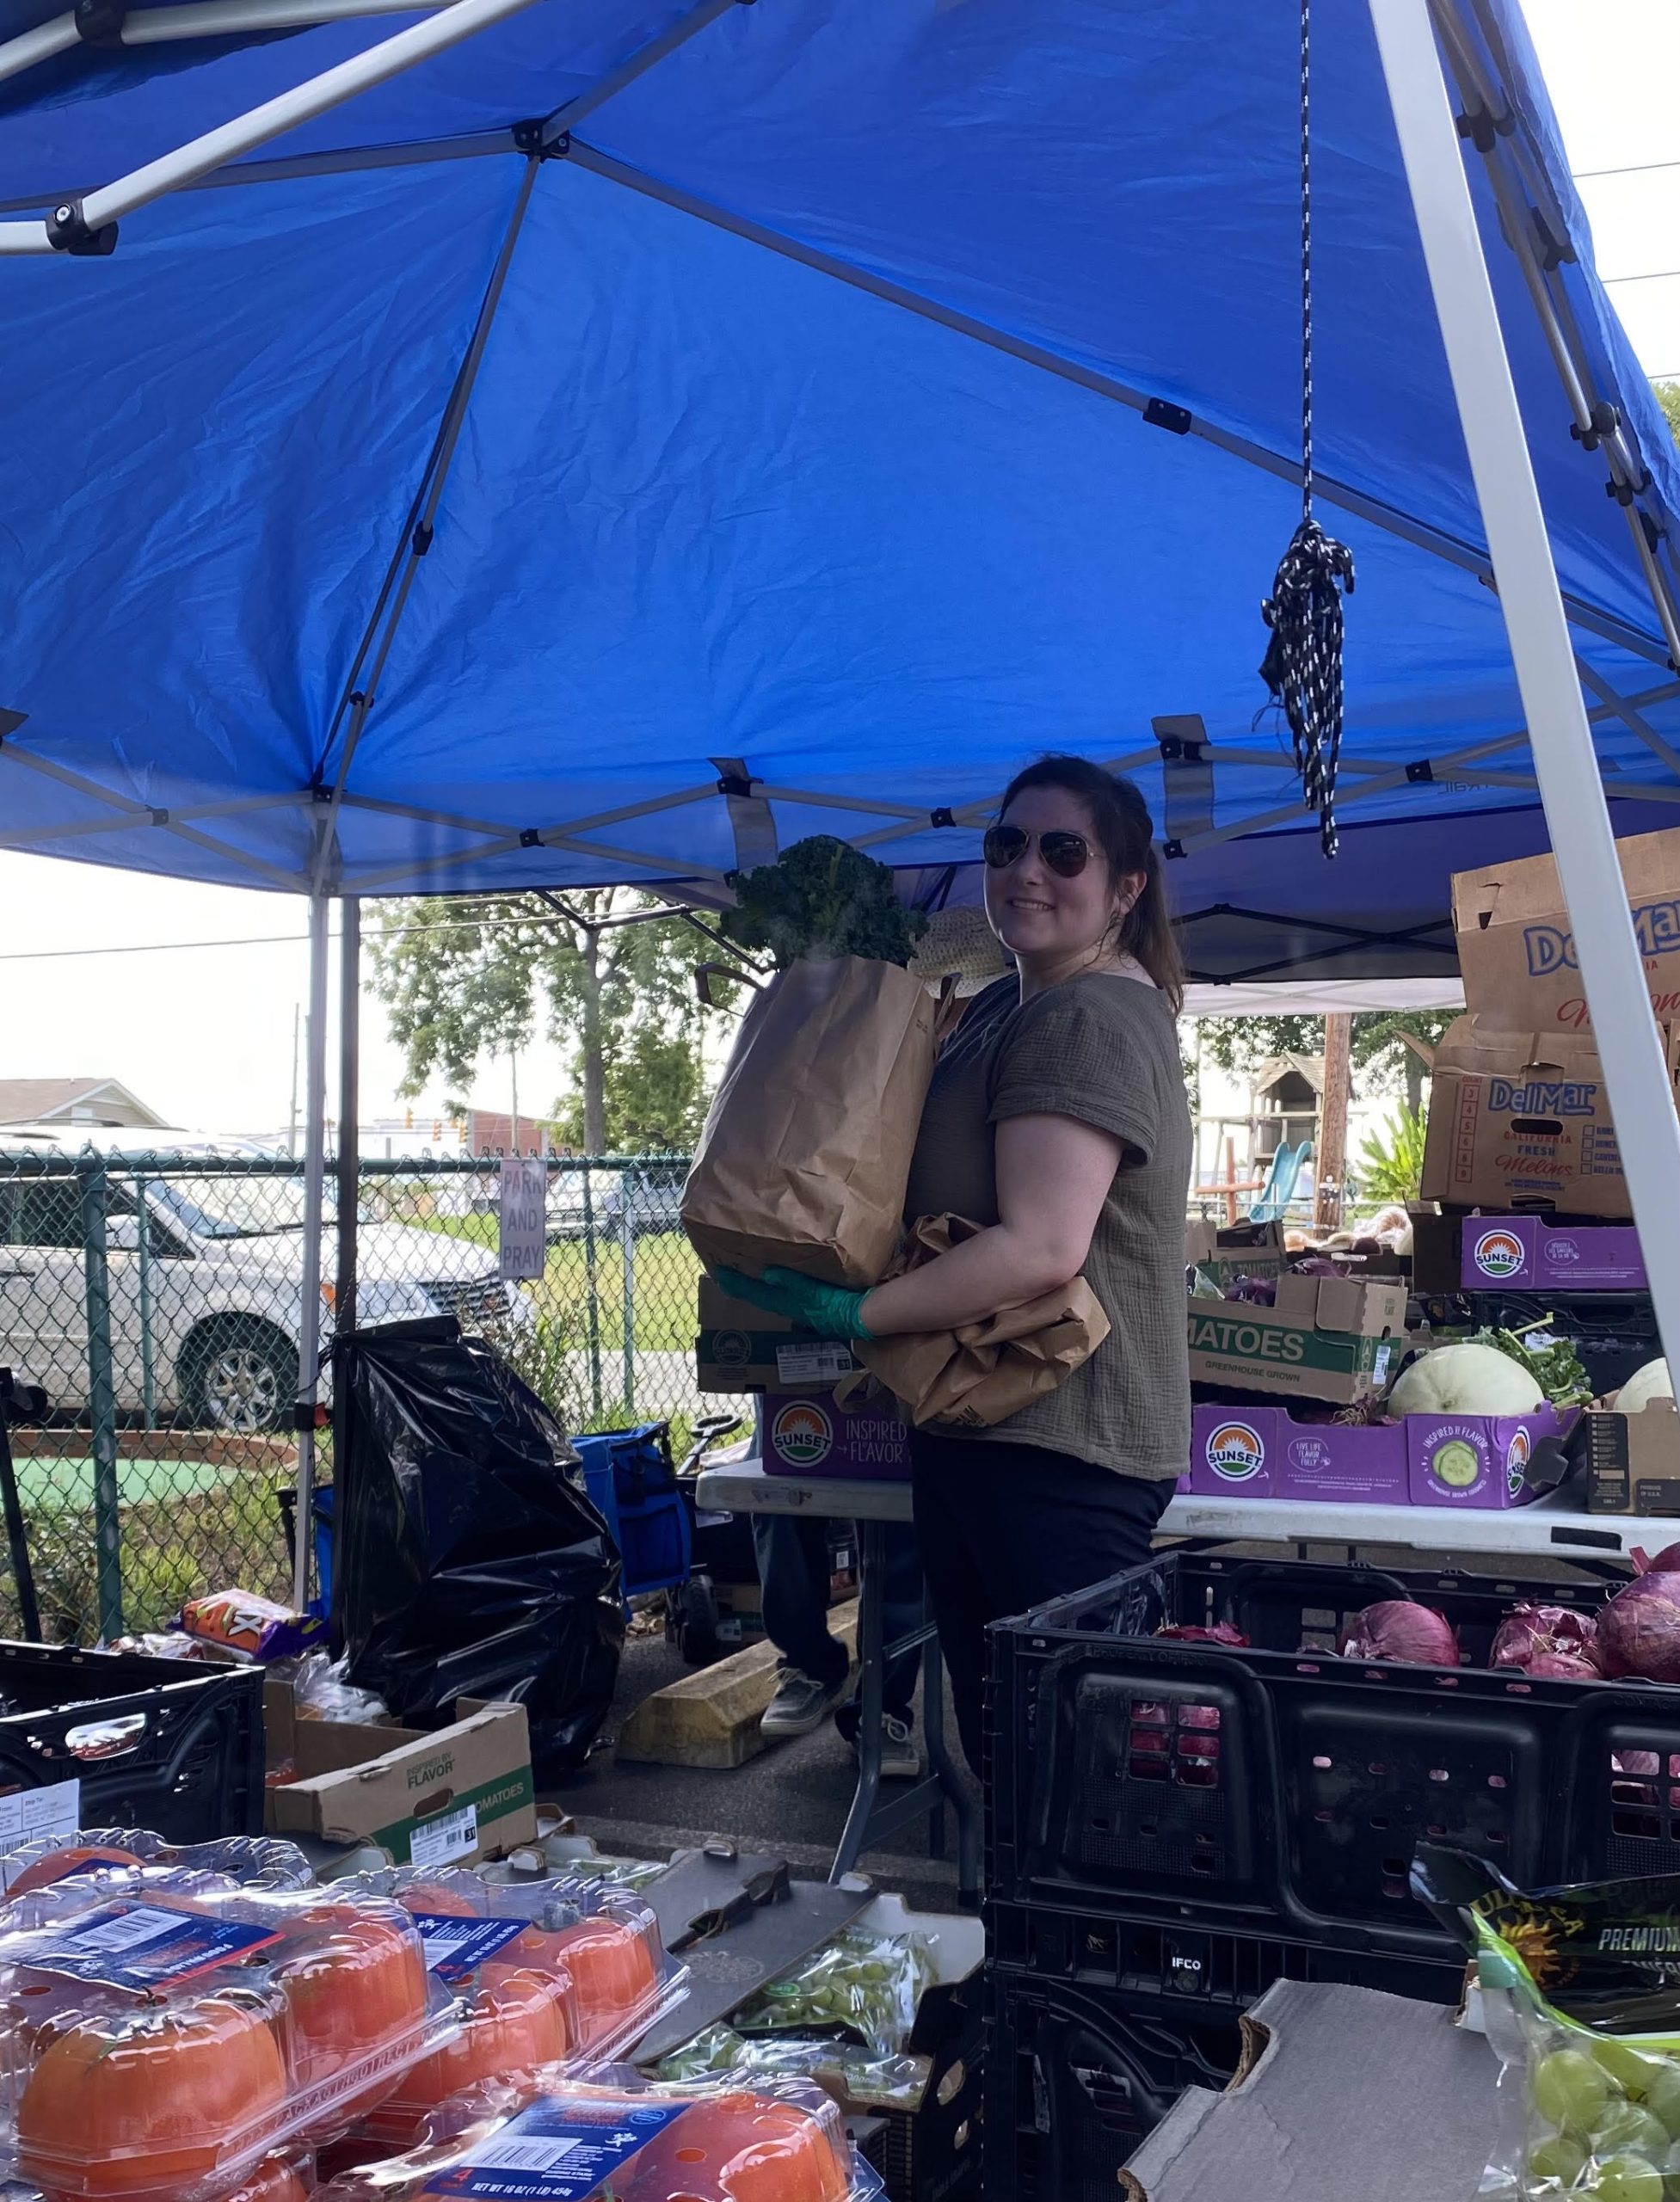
(1525, 1253)
(1427, 1460)
(809, 1436)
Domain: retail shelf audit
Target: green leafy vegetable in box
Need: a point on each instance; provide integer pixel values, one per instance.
(1552, 1361)
(819, 900)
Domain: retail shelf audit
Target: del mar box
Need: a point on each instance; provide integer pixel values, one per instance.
(1522, 1120)
(806, 1437)
(1324, 1339)
(1234, 1250)
(1517, 953)
(741, 1348)
(1427, 1460)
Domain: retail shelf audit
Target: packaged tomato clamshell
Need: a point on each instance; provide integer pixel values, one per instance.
(155, 2046)
(288, 2176)
(546, 1975)
(112, 1852)
(548, 2137)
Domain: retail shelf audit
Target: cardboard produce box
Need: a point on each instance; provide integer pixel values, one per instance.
(1325, 1339)
(1633, 1461)
(1517, 953)
(741, 1348)
(1341, 2091)
(1234, 1250)
(1483, 1461)
(819, 1437)
(1521, 1120)
(1524, 1253)
(438, 1798)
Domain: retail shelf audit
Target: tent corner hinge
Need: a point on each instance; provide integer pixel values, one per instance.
(531, 837)
(1479, 128)
(532, 138)
(1173, 849)
(67, 231)
(1175, 749)
(99, 22)
(943, 816)
(1161, 412)
(1603, 420)
(1420, 772)
(740, 785)
(1624, 493)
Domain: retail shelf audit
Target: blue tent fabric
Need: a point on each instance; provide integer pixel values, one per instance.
(808, 432)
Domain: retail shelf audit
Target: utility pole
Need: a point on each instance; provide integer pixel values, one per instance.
(297, 1033)
(1331, 1166)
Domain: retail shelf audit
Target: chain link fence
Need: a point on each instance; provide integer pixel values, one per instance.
(157, 1301)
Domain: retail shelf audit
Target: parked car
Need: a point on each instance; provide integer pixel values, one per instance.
(651, 1194)
(206, 1279)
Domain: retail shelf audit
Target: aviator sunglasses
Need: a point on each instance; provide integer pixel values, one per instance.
(1067, 853)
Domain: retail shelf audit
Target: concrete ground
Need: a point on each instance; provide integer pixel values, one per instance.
(792, 1799)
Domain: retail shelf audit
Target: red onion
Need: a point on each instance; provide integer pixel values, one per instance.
(1528, 1632)
(1666, 1562)
(1562, 1667)
(1221, 1632)
(1314, 1265)
(1410, 1635)
(1639, 1630)
(1258, 1291)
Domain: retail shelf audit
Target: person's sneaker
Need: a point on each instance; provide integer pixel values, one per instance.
(900, 1754)
(800, 1705)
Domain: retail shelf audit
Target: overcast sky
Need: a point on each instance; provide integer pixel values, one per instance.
(205, 1036)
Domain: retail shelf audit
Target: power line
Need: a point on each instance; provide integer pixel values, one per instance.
(1650, 275)
(1639, 168)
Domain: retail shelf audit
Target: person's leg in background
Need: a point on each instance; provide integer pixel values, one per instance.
(793, 1574)
(956, 1587)
(903, 1606)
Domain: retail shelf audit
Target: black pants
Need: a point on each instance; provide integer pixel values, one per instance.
(793, 1570)
(1003, 1527)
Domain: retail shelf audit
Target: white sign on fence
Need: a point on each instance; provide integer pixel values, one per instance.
(524, 1216)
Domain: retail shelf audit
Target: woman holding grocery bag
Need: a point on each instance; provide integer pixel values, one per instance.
(1056, 1120)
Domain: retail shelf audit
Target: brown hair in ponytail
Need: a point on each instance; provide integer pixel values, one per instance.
(1125, 833)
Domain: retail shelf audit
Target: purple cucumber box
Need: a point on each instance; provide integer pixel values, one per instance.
(1523, 1253)
(807, 1435)
(1427, 1459)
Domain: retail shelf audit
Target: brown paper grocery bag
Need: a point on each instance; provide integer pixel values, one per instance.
(806, 1152)
(985, 1372)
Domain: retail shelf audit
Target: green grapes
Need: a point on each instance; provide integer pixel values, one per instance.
(1661, 2096)
(1631, 2073)
(1557, 2158)
(1572, 2092)
(1629, 2130)
(1624, 2179)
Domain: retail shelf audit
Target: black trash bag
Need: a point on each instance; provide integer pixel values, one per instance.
(466, 1563)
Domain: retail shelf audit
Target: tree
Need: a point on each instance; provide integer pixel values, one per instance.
(1241, 1044)
(1668, 397)
(463, 976)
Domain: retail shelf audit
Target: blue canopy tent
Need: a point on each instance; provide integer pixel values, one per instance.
(632, 436)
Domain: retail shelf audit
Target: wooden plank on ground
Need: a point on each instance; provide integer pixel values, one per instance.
(711, 1718)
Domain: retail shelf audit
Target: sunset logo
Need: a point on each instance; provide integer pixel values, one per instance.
(803, 1434)
(1498, 1253)
(1236, 1452)
(1518, 1454)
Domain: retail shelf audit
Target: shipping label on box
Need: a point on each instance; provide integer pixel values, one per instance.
(1325, 1339)
(1522, 1120)
(429, 1799)
(818, 1437)
(1234, 1250)
(742, 1347)
(1633, 1460)
(1517, 950)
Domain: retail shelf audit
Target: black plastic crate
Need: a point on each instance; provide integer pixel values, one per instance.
(1073, 2084)
(154, 1744)
(1181, 1969)
(1613, 1332)
(1283, 1789)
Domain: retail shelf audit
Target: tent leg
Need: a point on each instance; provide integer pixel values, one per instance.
(1647, 1126)
(315, 1171)
(349, 1109)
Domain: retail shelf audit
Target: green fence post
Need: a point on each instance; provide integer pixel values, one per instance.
(627, 1250)
(102, 1397)
(593, 1316)
(148, 1373)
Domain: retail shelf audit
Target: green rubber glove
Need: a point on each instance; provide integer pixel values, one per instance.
(831, 1310)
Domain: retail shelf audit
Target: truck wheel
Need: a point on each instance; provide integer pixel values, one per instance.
(239, 1374)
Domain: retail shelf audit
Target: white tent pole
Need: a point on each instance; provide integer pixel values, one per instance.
(1625, 1031)
(314, 1172)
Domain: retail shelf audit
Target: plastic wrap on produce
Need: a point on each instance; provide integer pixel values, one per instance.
(467, 1563)
(552, 2137)
(870, 1984)
(128, 1857)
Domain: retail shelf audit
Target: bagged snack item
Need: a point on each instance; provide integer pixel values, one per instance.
(985, 1372)
(549, 2136)
(130, 1858)
(1581, 1988)
(544, 1974)
(257, 1628)
(806, 1151)
(321, 1690)
(157, 2047)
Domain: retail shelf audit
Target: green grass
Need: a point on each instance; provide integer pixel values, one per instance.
(667, 1270)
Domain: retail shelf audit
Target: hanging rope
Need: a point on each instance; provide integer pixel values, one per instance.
(1304, 661)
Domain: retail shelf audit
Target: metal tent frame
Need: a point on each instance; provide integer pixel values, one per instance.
(1518, 565)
